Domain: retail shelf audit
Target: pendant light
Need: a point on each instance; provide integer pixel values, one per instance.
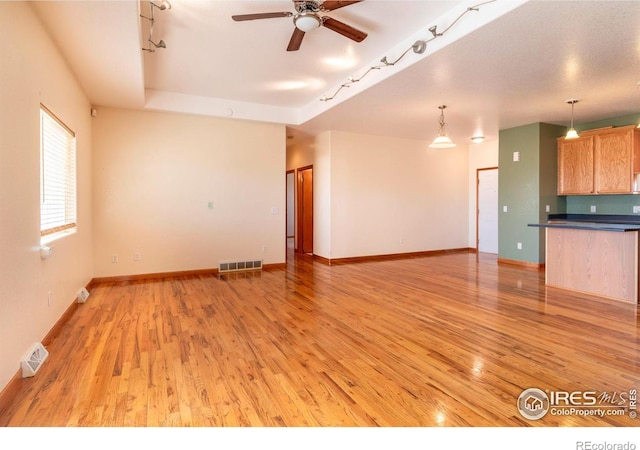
(572, 133)
(442, 141)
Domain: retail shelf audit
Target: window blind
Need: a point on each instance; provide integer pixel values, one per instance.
(57, 175)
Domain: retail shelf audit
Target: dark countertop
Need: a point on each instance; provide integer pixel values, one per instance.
(600, 222)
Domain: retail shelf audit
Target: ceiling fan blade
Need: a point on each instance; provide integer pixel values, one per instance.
(344, 29)
(273, 15)
(296, 40)
(330, 5)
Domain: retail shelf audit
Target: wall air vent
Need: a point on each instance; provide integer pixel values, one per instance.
(32, 363)
(235, 266)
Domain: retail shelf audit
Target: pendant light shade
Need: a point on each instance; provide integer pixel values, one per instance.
(442, 141)
(572, 133)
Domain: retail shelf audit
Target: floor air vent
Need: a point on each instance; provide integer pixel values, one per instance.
(234, 266)
(32, 363)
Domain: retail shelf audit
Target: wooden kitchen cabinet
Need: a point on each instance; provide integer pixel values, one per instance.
(575, 166)
(604, 161)
(594, 261)
(616, 157)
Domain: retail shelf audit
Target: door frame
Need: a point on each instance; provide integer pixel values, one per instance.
(299, 215)
(293, 207)
(483, 169)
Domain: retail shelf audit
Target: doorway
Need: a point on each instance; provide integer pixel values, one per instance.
(291, 209)
(487, 210)
(304, 229)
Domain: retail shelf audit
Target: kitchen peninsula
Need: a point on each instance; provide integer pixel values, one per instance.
(593, 253)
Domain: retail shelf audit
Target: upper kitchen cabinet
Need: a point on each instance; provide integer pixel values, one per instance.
(575, 166)
(617, 159)
(603, 161)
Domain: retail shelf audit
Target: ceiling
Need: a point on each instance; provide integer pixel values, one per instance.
(495, 64)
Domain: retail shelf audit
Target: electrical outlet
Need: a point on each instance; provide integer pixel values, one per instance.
(137, 256)
(504, 208)
(547, 208)
(264, 249)
(593, 208)
(636, 209)
(114, 259)
(401, 240)
(519, 245)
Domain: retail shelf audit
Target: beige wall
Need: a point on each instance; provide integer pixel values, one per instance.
(391, 195)
(383, 195)
(32, 72)
(155, 175)
(300, 154)
(322, 195)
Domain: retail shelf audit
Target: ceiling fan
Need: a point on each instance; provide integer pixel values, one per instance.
(308, 17)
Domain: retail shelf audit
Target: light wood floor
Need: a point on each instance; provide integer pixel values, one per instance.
(448, 340)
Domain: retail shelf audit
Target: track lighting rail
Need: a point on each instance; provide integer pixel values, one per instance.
(418, 47)
(164, 5)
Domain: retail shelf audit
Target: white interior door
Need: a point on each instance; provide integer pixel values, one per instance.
(488, 210)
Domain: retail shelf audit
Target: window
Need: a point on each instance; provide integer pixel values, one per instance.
(57, 177)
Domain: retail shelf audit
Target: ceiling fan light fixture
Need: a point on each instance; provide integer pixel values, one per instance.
(307, 21)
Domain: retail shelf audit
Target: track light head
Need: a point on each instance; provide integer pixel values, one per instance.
(162, 6)
(160, 44)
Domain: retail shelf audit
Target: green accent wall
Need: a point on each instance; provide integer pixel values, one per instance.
(605, 204)
(526, 187)
(549, 179)
(621, 121)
